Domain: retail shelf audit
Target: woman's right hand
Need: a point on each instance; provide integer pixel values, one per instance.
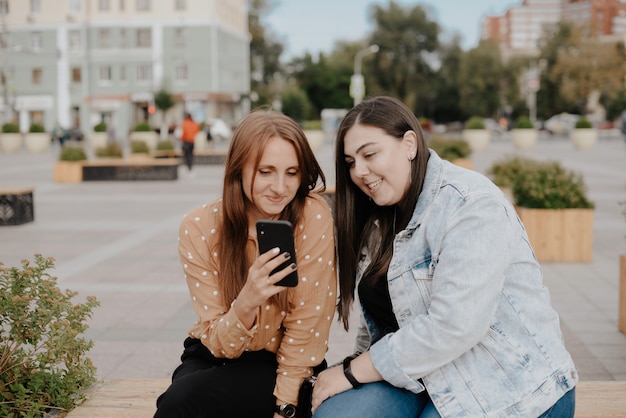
(260, 285)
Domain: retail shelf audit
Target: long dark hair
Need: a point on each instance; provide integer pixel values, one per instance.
(360, 223)
(248, 142)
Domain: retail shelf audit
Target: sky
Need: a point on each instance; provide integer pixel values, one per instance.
(314, 25)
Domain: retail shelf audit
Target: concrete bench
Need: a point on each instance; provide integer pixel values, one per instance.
(135, 398)
(16, 206)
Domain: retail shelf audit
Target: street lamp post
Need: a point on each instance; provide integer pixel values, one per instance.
(357, 83)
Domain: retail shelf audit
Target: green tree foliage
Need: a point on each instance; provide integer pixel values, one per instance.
(445, 105)
(403, 67)
(479, 80)
(296, 104)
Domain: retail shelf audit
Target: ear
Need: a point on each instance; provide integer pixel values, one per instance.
(409, 142)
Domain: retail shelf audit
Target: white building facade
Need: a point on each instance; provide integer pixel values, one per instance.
(78, 62)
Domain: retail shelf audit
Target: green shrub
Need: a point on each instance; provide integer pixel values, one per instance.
(138, 146)
(142, 127)
(312, 124)
(583, 123)
(523, 122)
(112, 150)
(10, 128)
(69, 153)
(100, 127)
(475, 122)
(548, 185)
(36, 128)
(506, 171)
(165, 146)
(43, 363)
(450, 149)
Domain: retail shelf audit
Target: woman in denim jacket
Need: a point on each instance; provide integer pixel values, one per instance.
(456, 320)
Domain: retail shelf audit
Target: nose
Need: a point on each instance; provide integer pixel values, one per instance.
(279, 185)
(360, 168)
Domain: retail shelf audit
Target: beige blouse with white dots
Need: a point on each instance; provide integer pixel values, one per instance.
(304, 341)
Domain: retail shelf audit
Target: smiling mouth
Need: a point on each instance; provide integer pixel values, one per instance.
(374, 185)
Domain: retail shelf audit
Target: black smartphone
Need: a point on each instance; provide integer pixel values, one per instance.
(276, 233)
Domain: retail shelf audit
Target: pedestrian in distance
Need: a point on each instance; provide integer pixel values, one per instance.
(189, 128)
(455, 319)
(255, 342)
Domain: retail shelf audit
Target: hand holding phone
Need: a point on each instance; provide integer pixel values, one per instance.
(278, 233)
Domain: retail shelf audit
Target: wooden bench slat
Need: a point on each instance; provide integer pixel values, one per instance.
(601, 399)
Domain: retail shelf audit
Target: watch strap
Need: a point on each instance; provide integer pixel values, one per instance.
(347, 371)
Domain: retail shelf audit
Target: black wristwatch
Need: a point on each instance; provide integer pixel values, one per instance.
(285, 410)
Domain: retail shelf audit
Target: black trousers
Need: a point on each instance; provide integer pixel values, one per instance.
(204, 386)
(188, 153)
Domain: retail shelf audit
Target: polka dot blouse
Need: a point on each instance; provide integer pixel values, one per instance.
(299, 337)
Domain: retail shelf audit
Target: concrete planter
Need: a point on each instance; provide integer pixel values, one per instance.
(524, 138)
(37, 142)
(561, 235)
(98, 140)
(477, 139)
(315, 137)
(150, 138)
(200, 143)
(10, 142)
(584, 138)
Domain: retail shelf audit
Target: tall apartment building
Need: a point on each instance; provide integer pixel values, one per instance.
(519, 29)
(77, 62)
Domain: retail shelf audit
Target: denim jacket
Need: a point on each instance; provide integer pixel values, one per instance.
(476, 322)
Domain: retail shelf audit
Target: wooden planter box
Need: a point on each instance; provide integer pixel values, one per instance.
(68, 171)
(464, 162)
(562, 235)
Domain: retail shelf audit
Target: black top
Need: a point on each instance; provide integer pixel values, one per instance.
(377, 303)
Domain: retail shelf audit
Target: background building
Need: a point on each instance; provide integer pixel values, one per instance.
(520, 27)
(77, 62)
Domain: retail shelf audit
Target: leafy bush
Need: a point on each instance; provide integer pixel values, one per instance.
(100, 127)
(42, 353)
(523, 122)
(506, 171)
(10, 128)
(165, 146)
(142, 127)
(583, 123)
(475, 122)
(138, 146)
(550, 186)
(450, 149)
(69, 153)
(36, 128)
(112, 150)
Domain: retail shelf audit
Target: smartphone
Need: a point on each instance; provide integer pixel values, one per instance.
(278, 233)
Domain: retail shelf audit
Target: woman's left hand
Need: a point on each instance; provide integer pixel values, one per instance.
(329, 383)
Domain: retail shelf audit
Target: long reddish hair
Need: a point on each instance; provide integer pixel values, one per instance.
(247, 145)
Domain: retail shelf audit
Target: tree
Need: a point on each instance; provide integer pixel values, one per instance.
(403, 66)
(163, 101)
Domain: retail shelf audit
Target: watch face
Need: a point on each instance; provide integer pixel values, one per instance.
(288, 410)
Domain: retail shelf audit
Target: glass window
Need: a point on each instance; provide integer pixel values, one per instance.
(37, 75)
(143, 4)
(104, 38)
(75, 5)
(105, 73)
(144, 38)
(76, 75)
(104, 5)
(123, 76)
(36, 41)
(181, 4)
(35, 6)
(144, 72)
(181, 71)
(74, 38)
(4, 7)
(121, 5)
(181, 38)
(123, 38)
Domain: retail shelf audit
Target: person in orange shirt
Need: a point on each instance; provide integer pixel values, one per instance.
(189, 130)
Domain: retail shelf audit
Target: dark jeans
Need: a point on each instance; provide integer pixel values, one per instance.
(188, 153)
(205, 386)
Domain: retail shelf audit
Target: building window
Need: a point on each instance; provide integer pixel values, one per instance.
(104, 5)
(143, 4)
(121, 5)
(37, 75)
(36, 41)
(75, 6)
(181, 72)
(4, 7)
(5, 40)
(35, 6)
(123, 76)
(181, 38)
(104, 38)
(144, 38)
(181, 4)
(123, 38)
(144, 72)
(74, 38)
(76, 75)
(105, 74)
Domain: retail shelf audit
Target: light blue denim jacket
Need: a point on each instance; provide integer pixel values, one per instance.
(476, 322)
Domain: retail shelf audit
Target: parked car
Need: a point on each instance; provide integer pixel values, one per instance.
(561, 123)
(74, 134)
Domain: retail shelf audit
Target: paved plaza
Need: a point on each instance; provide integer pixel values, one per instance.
(118, 242)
